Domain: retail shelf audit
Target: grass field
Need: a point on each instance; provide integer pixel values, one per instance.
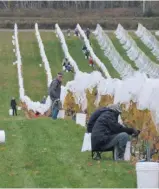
(45, 153)
(103, 58)
(121, 50)
(42, 152)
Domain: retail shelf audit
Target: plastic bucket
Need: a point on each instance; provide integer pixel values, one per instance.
(2, 136)
(61, 114)
(81, 119)
(147, 174)
(10, 112)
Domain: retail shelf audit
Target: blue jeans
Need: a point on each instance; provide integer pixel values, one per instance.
(119, 142)
(55, 112)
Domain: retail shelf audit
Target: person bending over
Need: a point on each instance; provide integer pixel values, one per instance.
(68, 67)
(84, 48)
(65, 61)
(107, 133)
(87, 53)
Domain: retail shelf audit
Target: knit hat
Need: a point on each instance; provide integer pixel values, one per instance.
(60, 74)
(115, 107)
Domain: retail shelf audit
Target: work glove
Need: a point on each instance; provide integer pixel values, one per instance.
(135, 133)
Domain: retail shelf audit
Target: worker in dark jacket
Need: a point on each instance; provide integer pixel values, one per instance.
(94, 117)
(55, 92)
(107, 132)
(13, 105)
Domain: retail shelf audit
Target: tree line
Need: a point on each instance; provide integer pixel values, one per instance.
(72, 4)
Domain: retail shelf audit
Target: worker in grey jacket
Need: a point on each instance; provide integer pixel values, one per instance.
(55, 92)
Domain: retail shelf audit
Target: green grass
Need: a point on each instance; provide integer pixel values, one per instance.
(8, 74)
(45, 153)
(75, 48)
(121, 50)
(54, 54)
(100, 54)
(34, 75)
(143, 47)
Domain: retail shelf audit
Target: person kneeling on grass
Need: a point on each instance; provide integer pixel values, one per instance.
(107, 133)
(68, 67)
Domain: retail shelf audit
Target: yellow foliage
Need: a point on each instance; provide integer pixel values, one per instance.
(106, 100)
(91, 97)
(69, 103)
(142, 120)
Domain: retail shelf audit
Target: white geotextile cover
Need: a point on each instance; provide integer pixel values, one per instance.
(142, 90)
(142, 61)
(94, 57)
(35, 106)
(119, 64)
(148, 39)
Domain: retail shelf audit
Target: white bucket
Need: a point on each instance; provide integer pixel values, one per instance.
(2, 136)
(81, 119)
(10, 112)
(127, 155)
(147, 174)
(61, 114)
